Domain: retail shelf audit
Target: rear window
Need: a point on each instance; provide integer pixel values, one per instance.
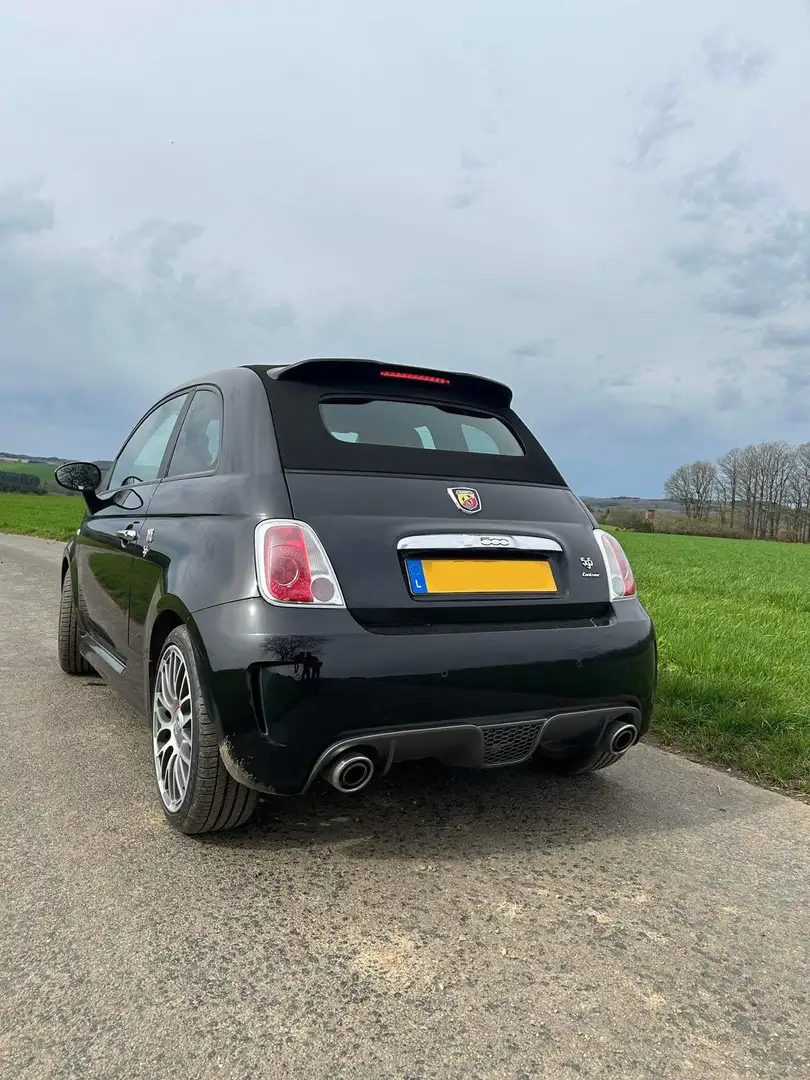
(416, 425)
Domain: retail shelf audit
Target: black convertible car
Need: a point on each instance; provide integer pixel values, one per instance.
(325, 568)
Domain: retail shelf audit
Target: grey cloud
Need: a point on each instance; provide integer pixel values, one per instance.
(532, 350)
(123, 315)
(662, 118)
(771, 273)
(742, 62)
(617, 382)
(786, 337)
(461, 200)
(717, 190)
(611, 379)
(756, 244)
(726, 363)
(728, 397)
(695, 259)
(23, 212)
(469, 182)
(795, 374)
(161, 243)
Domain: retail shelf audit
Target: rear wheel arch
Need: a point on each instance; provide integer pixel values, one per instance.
(167, 620)
(173, 613)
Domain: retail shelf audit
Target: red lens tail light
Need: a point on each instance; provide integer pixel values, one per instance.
(292, 566)
(286, 565)
(621, 579)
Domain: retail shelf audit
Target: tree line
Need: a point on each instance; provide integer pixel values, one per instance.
(760, 492)
(21, 483)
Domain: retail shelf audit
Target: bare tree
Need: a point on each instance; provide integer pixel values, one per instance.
(704, 483)
(728, 479)
(679, 488)
(694, 486)
(798, 496)
(762, 490)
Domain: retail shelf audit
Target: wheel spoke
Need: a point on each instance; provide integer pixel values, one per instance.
(176, 777)
(164, 751)
(165, 687)
(162, 711)
(184, 751)
(183, 770)
(165, 766)
(171, 797)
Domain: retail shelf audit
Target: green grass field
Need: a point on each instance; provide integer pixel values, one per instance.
(49, 516)
(733, 622)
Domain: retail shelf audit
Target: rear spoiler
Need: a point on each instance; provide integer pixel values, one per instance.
(357, 374)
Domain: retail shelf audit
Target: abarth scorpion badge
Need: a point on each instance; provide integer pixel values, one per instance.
(466, 499)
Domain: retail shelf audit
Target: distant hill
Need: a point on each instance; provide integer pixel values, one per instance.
(25, 458)
(630, 502)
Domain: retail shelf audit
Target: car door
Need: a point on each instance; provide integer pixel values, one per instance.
(109, 539)
(183, 492)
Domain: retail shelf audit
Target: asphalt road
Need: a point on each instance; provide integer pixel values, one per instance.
(650, 922)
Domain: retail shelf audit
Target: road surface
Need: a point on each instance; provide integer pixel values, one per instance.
(652, 922)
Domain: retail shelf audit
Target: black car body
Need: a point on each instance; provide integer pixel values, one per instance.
(357, 565)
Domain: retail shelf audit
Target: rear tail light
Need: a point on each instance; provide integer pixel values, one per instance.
(621, 580)
(292, 566)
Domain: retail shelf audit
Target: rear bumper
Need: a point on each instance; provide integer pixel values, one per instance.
(289, 689)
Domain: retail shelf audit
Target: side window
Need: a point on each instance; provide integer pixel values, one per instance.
(197, 447)
(143, 452)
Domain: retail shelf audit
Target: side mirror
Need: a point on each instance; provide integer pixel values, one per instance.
(81, 476)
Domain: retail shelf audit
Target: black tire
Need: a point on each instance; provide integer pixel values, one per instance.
(70, 659)
(577, 762)
(213, 800)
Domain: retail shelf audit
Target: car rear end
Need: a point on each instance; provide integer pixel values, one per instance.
(433, 589)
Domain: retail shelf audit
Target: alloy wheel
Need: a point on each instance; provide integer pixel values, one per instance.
(172, 731)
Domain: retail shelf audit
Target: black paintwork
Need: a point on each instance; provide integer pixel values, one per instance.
(285, 684)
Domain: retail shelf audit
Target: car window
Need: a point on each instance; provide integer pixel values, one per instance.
(143, 452)
(197, 447)
(418, 425)
(478, 440)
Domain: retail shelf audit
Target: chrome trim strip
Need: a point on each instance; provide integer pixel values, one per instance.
(477, 542)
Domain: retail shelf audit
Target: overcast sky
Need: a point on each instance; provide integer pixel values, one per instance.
(605, 203)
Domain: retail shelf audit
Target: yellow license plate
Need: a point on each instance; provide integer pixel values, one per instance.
(480, 576)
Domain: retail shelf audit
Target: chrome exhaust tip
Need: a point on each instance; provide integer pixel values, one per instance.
(350, 772)
(620, 736)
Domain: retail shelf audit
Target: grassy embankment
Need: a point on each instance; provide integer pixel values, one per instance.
(733, 620)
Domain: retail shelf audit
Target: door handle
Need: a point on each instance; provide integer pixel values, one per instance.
(129, 536)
